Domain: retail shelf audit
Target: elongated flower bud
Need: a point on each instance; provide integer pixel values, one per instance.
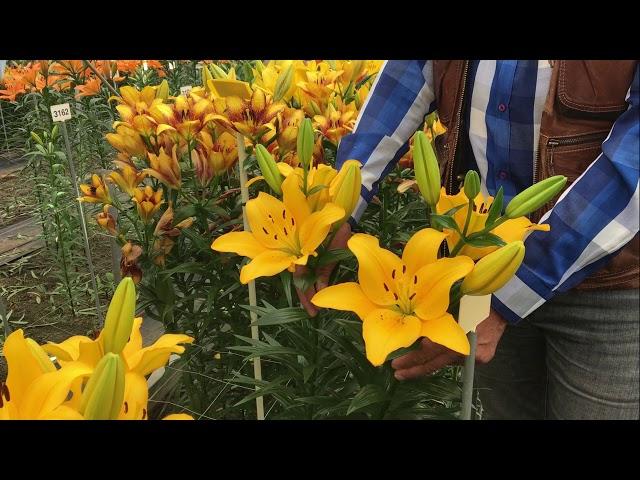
(493, 271)
(358, 67)
(345, 188)
(259, 66)
(103, 396)
(306, 140)
(471, 184)
(163, 90)
(119, 320)
(269, 169)
(535, 196)
(54, 132)
(206, 76)
(216, 71)
(36, 138)
(426, 169)
(283, 83)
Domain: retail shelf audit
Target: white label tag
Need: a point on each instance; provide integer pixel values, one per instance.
(185, 90)
(60, 113)
(473, 310)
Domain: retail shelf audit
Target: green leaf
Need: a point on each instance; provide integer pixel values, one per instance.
(368, 395)
(496, 207)
(274, 316)
(440, 222)
(486, 240)
(403, 351)
(455, 209)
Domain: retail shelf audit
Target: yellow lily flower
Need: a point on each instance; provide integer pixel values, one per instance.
(249, 117)
(80, 351)
(147, 201)
(106, 220)
(266, 78)
(211, 158)
(283, 233)
(318, 86)
(34, 388)
(289, 120)
(96, 192)
(133, 101)
(127, 140)
(401, 300)
(337, 121)
(509, 231)
(165, 168)
(127, 178)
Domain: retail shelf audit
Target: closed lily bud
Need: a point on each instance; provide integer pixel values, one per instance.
(345, 188)
(427, 171)
(163, 90)
(535, 196)
(119, 320)
(216, 71)
(36, 138)
(471, 184)
(283, 83)
(305, 142)
(103, 396)
(269, 169)
(493, 271)
(206, 76)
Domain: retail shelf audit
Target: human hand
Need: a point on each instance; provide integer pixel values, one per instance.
(339, 241)
(431, 356)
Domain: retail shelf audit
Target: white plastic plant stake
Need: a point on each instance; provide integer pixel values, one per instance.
(186, 90)
(61, 113)
(253, 301)
(473, 310)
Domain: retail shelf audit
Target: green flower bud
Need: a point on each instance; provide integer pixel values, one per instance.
(471, 184)
(427, 171)
(269, 169)
(535, 196)
(103, 396)
(119, 320)
(306, 139)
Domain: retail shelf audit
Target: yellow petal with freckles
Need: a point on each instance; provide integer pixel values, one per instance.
(268, 263)
(316, 228)
(445, 331)
(272, 223)
(241, 243)
(345, 296)
(422, 249)
(294, 199)
(433, 283)
(378, 269)
(136, 397)
(385, 331)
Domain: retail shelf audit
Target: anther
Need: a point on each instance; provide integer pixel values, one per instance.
(293, 222)
(144, 413)
(404, 269)
(415, 279)
(393, 273)
(275, 237)
(285, 231)
(284, 214)
(385, 287)
(412, 295)
(126, 407)
(265, 231)
(395, 296)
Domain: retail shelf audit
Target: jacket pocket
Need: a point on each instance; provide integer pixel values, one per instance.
(594, 88)
(571, 156)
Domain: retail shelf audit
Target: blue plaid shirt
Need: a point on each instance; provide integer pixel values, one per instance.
(593, 219)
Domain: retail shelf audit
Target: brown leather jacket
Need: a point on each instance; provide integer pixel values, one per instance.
(585, 98)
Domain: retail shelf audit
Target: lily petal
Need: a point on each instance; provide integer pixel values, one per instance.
(268, 263)
(316, 228)
(385, 331)
(422, 249)
(433, 284)
(377, 269)
(445, 331)
(241, 243)
(345, 296)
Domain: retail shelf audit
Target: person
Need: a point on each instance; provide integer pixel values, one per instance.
(562, 338)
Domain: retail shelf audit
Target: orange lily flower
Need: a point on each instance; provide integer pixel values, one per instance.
(165, 168)
(147, 201)
(96, 192)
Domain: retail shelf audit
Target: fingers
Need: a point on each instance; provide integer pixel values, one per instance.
(340, 240)
(427, 351)
(440, 361)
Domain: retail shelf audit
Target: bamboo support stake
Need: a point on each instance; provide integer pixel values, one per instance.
(257, 365)
(4, 127)
(83, 224)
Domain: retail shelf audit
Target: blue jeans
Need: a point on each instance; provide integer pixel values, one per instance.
(576, 357)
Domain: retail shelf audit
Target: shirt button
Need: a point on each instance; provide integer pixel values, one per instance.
(502, 175)
(502, 107)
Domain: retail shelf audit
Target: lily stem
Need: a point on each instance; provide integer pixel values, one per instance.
(463, 236)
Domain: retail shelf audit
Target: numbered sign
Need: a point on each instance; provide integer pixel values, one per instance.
(61, 113)
(185, 90)
(473, 310)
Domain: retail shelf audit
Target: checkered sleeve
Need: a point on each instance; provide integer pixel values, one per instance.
(400, 97)
(591, 221)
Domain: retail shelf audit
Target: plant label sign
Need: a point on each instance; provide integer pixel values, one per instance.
(185, 90)
(61, 113)
(473, 310)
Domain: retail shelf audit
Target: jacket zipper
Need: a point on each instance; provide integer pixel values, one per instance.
(458, 116)
(556, 142)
